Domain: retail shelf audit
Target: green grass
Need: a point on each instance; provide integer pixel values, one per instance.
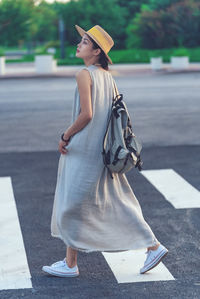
(117, 56)
(26, 58)
(144, 55)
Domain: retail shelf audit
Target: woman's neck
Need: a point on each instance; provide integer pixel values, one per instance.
(90, 62)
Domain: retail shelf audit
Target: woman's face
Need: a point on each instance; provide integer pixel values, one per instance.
(85, 49)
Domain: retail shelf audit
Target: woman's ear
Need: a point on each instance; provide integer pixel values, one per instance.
(97, 51)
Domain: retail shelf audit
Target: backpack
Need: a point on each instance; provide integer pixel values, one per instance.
(121, 148)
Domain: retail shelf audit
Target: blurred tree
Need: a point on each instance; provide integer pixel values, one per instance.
(15, 20)
(176, 25)
(134, 23)
(45, 18)
(185, 25)
(161, 4)
(132, 7)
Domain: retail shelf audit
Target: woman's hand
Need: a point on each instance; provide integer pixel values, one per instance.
(67, 136)
(61, 148)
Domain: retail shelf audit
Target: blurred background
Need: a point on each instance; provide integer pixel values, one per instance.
(141, 29)
(36, 101)
(36, 36)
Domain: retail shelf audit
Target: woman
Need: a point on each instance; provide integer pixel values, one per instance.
(92, 211)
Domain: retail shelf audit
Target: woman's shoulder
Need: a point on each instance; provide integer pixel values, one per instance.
(84, 75)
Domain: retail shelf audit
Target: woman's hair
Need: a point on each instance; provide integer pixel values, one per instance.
(103, 60)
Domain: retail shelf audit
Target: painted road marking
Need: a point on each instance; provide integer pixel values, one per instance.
(126, 267)
(174, 188)
(14, 270)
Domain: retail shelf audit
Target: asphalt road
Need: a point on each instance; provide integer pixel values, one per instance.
(164, 110)
(165, 113)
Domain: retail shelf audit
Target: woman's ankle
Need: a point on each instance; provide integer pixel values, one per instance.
(154, 247)
(71, 264)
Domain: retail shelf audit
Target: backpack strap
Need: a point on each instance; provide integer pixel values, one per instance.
(116, 92)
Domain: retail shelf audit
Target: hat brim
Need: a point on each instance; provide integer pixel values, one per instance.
(81, 31)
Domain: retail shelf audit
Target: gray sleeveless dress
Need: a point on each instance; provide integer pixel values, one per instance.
(92, 211)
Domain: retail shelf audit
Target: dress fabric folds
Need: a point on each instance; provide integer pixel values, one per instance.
(92, 211)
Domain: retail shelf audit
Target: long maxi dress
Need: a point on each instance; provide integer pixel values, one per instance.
(92, 211)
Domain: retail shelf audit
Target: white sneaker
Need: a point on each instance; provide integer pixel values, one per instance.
(61, 269)
(154, 257)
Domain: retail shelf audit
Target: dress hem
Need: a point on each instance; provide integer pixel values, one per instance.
(155, 242)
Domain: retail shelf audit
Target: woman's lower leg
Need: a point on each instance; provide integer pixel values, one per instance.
(71, 257)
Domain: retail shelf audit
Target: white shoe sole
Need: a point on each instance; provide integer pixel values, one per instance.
(48, 270)
(156, 262)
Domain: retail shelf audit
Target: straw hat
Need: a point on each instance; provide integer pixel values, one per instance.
(100, 36)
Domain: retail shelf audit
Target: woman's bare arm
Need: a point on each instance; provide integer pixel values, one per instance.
(84, 86)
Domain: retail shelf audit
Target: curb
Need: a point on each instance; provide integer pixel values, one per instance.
(35, 76)
(119, 72)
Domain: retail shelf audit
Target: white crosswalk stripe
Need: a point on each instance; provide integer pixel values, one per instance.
(14, 270)
(126, 267)
(174, 188)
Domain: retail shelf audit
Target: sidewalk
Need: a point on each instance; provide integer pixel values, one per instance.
(27, 70)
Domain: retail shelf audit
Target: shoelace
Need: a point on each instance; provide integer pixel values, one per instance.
(57, 263)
